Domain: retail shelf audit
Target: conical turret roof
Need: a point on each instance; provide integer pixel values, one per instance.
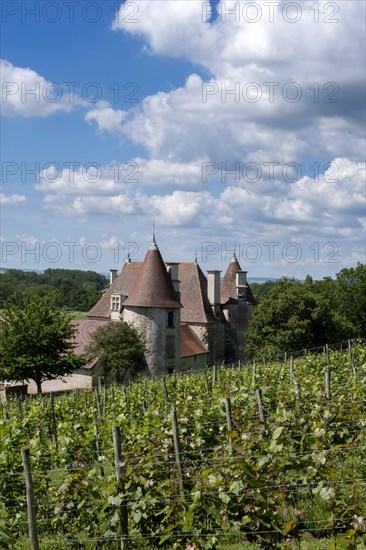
(153, 286)
(228, 285)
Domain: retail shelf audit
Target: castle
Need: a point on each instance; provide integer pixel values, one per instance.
(188, 320)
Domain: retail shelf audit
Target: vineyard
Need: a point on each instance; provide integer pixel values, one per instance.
(262, 455)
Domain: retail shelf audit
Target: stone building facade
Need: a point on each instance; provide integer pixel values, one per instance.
(187, 320)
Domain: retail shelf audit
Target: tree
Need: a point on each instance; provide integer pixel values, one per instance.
(351, 284)
(36, 340)
(119, 348)
(261, 290)
(292, 317)
(78, 290)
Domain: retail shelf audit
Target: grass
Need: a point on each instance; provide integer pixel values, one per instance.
(78, 315)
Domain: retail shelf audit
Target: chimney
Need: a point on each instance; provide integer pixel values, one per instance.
(213, 288)
(172, 268)
(241, 285)
(112, 275)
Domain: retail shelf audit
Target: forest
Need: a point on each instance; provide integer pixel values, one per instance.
(77, 290)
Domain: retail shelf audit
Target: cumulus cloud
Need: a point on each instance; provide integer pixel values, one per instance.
(90, 179)
(267, 91)
(12, 199)
(26, 93)
(331, 203)
(107, 119)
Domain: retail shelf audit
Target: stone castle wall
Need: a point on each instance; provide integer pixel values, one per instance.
(162, 342)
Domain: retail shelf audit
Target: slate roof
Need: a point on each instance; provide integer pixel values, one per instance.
(228, 285)
(153, 286)
(190, 343)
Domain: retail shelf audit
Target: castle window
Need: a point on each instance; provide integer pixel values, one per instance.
(170, 319)
(115, 303)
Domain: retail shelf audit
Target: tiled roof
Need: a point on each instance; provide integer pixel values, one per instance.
(123, 283)
(193, 294)
(189, 343)
(153, 286)
(84, 330)
(228, 285)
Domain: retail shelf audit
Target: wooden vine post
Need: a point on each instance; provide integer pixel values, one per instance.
(206, 382)
(229, 422)
(123, 511)
(327, 375)
(31, 505)
(254, 373)
(292, 367)
(53, 418)
(166, 394)
(97, 444)
(260, 406)
(297, 390)
(97, 397)
(351, 362)
(214, 375)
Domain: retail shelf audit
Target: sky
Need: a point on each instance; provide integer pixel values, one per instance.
(226, 126)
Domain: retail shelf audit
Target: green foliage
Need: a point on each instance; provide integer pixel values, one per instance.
(348, 296)
(292, 317)
(295, 315)
(296, 480)
(78, 290)
(261, 290)
(120, 350)
(36, 340)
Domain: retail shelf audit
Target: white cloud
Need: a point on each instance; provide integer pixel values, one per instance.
(328, 204)
(200, 120)
(87, 180)
(107, 119)
(183, 208)
(26, 93)
(29, 239)
(157, 173)
(86, 205)
(12, 199)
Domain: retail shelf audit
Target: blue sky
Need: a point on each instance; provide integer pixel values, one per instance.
(273, 168)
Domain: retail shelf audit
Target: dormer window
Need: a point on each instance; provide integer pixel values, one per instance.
(115, 303)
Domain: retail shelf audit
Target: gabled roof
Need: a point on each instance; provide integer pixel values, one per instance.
(153, 286)
(193, 294)
(189, 343)
(228, 285)
(123, 283)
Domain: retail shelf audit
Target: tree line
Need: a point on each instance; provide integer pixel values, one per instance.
(77, 290)
(294, 315)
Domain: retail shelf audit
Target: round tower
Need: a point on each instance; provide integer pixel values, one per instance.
(153, 308)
